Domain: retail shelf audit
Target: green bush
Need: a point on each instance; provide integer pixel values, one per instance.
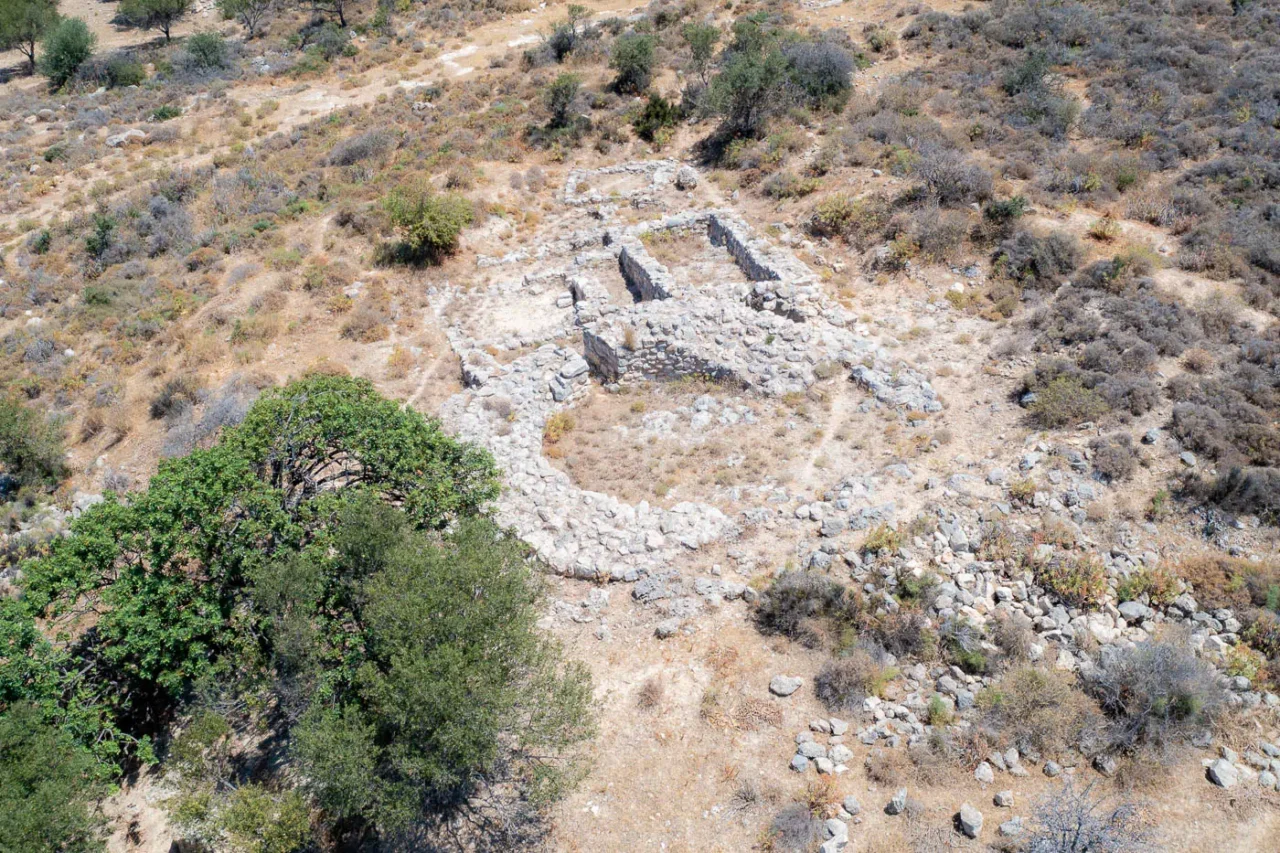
(123, 71)
(46, 786)
(429, 224)
(30, 446)
(632, 57)
(66, 48)
(1065, 401)
(207, 50)
(1079, 581)
(559, 97)
(166, 112)
(658, 115)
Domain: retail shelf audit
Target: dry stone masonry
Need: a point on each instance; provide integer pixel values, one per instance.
(770, 333)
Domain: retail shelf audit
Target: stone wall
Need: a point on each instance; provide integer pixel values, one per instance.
(644, 276)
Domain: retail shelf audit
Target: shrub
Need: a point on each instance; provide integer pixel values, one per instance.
(175, 397)
(808, 608)
(1232, 582)
(1156, 695)
(124, 71)
(843, 215)
(1114, 457)
(795, 829)
(632, 57)
(657, 115)
(1160, 585)
(559, 97)
(46, 786)
(66, 48)
(844, 682)
(558, 426)
(1039, 261)
(207, 51)
(951, 179)
(1037, 710)
(962, 642)
(882, 537)
(1079, 581)
(166, 112)
(823, 71)
(903, 633)
(362, 146)
(30, 446)
(1254, 491)
(1065, 401)
(429, 224)
(1013, 635)
(1071, 820)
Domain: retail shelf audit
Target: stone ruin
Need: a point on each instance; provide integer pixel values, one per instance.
(770, 332)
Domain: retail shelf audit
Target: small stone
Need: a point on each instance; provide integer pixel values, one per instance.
(784, 685)
(1011, 827)
(898, 804)
(984, 774)
(970, 820)
(1004, 799)
(1052, 769)
(799, 763)
(1106, 765)
(1187, 458)
(686, 178)
(851, 805)
(667, 628)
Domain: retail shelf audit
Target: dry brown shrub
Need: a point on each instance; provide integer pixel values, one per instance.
(1220, 581)
(651, 693)
(1039, 709)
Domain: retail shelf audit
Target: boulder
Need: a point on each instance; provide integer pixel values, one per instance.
(1223, 774)
(784, 685)
(686, 178)
(970, 820)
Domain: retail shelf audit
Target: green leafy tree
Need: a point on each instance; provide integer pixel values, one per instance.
(30, 446)
(252, 14)
(748, 91)
(47, 786)
(701, 40)
(632, 57)
(429, 224)
(23, 23)
(754, 78)
(329, 559)
(166, 570)
(66, 47)
(154, 14)
(426, 717)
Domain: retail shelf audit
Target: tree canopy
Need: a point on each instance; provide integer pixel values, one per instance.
(23, 23)
(329, 563)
